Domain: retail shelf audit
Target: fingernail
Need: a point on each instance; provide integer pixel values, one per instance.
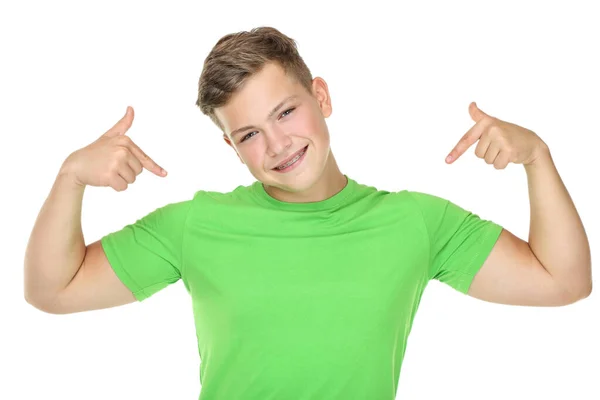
(163, 172)
(449, 158)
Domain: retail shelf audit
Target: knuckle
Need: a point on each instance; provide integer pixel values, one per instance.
(144, 156)
(122, 139)
(495, 131)
(121, 152)
(490, 120)
(111, 177)
(115, 164)
(114, 171)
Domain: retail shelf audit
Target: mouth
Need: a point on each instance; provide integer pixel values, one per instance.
(293, 161)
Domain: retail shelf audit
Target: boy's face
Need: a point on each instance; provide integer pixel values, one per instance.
(269, 140)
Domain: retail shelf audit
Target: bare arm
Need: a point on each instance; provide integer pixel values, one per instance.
(94, 287)
(56, 246)
(554, 267)
(62, 275)
(557, 236)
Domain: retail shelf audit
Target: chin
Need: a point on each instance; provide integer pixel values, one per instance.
(299, 184)
(299, 180)
(294, 184)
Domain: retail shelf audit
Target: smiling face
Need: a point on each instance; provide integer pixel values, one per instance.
(270, 120)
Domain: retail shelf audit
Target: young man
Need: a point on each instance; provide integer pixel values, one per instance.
(305, 283)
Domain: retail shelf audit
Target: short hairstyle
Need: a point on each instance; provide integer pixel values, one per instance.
(238, 56)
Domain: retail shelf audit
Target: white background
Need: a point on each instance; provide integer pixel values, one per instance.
(401, 78)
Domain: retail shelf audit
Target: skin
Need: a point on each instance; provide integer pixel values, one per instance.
(273, 140)
(552, 269)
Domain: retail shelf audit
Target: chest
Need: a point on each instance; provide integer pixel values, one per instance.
(319, 274)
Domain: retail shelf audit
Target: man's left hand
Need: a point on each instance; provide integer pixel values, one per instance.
(500, 142)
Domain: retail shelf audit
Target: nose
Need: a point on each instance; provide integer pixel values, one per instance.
(277, 142)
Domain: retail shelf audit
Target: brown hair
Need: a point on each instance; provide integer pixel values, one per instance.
(238, 56)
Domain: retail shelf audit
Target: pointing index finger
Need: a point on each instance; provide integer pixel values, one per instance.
(468, 139)
(146, 161)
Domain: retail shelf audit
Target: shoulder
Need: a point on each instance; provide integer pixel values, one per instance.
(425, 199)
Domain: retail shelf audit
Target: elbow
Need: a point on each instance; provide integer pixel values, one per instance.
(587, 290)
(582, 292)
(46, 306)
(577, 289)
(37, 305)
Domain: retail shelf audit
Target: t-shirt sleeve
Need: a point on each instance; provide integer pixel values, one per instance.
(460, 241)
(146, 255)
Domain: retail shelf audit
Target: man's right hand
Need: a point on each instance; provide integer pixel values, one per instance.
(113, 160)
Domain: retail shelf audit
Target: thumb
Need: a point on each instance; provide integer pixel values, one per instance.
(476, 113)
(123, 125)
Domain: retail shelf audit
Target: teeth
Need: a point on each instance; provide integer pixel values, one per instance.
(291, 161)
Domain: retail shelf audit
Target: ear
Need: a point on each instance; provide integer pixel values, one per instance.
(228, 141)
(321, 94)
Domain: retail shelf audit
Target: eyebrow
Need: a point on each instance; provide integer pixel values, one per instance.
(273, 111)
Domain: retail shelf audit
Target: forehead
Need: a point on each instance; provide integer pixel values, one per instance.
(258, 95)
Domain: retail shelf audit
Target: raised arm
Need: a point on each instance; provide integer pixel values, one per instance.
(56, 246)
(61, 274)
(553, 267)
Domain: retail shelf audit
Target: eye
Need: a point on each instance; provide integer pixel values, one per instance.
(245, 137)
(283, 114)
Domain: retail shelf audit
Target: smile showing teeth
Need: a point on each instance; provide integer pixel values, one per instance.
(292, 161)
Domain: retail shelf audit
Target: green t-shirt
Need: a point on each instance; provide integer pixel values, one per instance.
(302, 300)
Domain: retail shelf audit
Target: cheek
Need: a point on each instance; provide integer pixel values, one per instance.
(252, 155)
(308, 125)
(299, 124)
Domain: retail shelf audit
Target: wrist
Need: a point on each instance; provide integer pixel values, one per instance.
(66, 173)
(541, 154)
(542, 160)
